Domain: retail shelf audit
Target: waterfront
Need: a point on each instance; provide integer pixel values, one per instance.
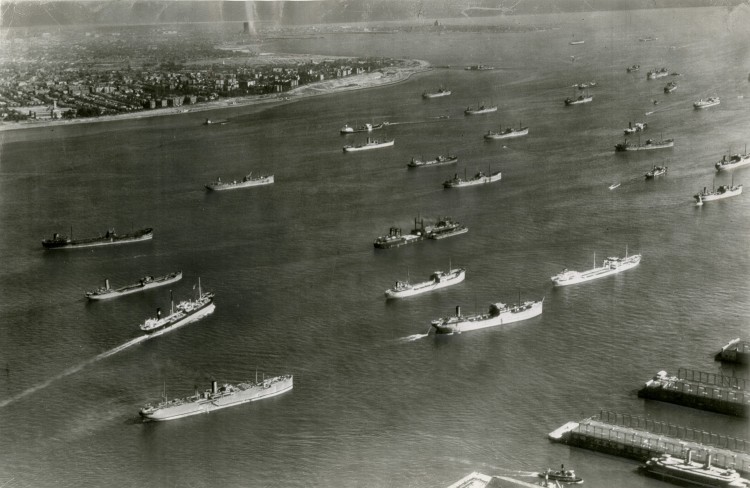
(299, 287)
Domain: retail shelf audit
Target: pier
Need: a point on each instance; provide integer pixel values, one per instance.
(642, 438)
(696, 389)
(479, 480)
(736, 351)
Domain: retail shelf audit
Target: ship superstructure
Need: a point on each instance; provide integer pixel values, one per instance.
(145, 283)
(246, 181)
(183, 313)
(438, 279)
(498, 314)
(610, 266)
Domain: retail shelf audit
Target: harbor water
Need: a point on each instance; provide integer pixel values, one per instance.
(299, 287)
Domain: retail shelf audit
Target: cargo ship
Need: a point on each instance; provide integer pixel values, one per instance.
(145, 283)
(649, 144)
(478, 179)
(59, 241)
(182, 314)
(481, 109)
(217, 397)
(498, 314)
(656, 171)
(724, 191)
(579, 100)
(441, 92)
(246, 181)
(690, 473)
(507, 133)
(444, 228)
(370, 144)
(657, 73)
(438, 161)
(438, 279)
(708, 102)
(734, 161)
(610, 266)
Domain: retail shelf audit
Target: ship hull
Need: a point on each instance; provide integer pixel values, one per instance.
(478, 181)
(426, 286)
(209, 405)
(403, 241)
(480, 112)
(450, 233)
(594, 274)
(727, 194)
(436, 95)
(687, 473)
(192, 317)
(621, 147)
(465, 325)
(241, 184)
(145, 235)
(508, 135)
(700, 106)
(348, 149)
(135, 288)
(743, 161)
(434, 162)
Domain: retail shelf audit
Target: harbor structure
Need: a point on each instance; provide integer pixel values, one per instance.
(697, 389)
(640, 438)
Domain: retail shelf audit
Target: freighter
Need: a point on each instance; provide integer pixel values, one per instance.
(724, 191)
(507, 133)
(656, 171)
(445, 227)
(370, 144)
(441, 92)
(649, 144)
(246, 181)
(218, 397)
(438, 279)
(690, 473)
(610, 266)
(438, 161)
(734, 161)
(144, 283)
(708, 102)
(59, 241)
(657, 73)
(481, 109)
(347, 129)
(185, 312)
(478, 179)
(499, 314)
(579, 100)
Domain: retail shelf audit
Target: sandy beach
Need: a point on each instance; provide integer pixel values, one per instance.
(373, 79)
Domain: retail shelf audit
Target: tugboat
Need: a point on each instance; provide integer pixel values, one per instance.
(708, 102)
(478, 179)
(395, 238)
(438, 161)
(370, 144)
(247, 181)
(656, 171)
(650, 144)
(498, 314)
(438, 279)
(441, 92)
(637, 127)
(507, 133)
(671, 86)
(59, 241)
(562, 475)
(583, 86)
(657, 73)
(481, 109)
(579, 100)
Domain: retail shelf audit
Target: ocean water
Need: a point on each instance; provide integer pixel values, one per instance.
(299, 287)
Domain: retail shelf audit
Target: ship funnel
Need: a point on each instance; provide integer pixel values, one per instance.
(106, 284)
(458, 311)
(689, 458)
(708, 461)
(214, 387)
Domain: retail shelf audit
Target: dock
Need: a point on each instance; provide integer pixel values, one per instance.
(642, 438)
(696, 389)
(736, 351)
(479, 480)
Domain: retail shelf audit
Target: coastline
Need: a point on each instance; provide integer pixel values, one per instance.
(384, 77)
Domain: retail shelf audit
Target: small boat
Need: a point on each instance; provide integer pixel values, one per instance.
(656, 171)
(438, 161)
(575, 43)
(637, 127)
(657, 73)
(614, 185)
(708, 102)
(479, 67)
(583, 86)
(578, 100)
(347, 129)
(562, 475)
(634, 68)
(441, 92)
(481, 109)
(370, 144)
(507, 133)
(671, 86)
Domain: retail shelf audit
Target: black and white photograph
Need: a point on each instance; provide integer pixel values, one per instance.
(374, 243)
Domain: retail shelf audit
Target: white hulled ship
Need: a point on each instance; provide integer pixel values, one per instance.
(370, 144)
(438, 279)
(610, 266)
(649, 144)
(441, 92)
(248, 180)
(182, 314)
(734, 161)
(507, 133)
(478, 179)
(218, 397)
(144, 283)
(708, 102)
(481, 109)
(438, 161)
(724, 191)
(498, 314)
(656, 171)
(690, 473)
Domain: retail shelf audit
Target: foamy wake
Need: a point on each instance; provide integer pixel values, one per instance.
(412, 337)
(71, 370)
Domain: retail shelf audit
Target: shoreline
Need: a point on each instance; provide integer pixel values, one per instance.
(375, 79)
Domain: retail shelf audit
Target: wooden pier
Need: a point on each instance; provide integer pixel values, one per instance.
(641, 439)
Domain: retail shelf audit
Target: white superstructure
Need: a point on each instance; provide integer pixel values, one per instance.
(439, 279)
(498, 314)
(610, 266)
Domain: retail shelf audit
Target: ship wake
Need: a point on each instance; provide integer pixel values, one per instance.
(412, 338)
(71, 370)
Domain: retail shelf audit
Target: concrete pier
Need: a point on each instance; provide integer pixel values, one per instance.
(696, 389)
(736, 351)
(641, 439)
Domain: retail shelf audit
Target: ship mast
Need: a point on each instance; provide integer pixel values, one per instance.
(171, 301)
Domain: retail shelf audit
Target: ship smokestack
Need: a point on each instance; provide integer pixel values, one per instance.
(214, 387)
(689, 458)
(458, 310)
(708, 461)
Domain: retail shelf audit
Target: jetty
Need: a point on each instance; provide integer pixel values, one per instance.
(696, 389)
(641, 439)
(736, 351)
